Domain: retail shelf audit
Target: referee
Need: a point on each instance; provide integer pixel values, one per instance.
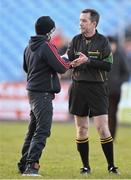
(88, 96)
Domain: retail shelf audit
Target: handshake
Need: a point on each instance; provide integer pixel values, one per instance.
(81, 60)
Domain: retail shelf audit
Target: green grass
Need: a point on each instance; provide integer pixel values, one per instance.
(124, 115)
(60, 159)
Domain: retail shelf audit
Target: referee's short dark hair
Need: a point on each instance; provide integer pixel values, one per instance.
(93, 13)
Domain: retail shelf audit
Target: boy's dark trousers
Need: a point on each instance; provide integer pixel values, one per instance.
(39, 127)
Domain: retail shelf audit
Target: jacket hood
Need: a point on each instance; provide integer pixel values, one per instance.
(36, 41)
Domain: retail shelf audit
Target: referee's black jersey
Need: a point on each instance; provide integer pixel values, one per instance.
(98, 50)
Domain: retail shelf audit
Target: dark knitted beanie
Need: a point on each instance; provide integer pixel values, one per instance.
(44, 25)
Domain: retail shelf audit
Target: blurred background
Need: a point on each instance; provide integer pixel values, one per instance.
(17, 18)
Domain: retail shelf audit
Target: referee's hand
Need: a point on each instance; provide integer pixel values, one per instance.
(81, 60)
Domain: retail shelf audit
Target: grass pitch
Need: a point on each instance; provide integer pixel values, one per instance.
(60, 160)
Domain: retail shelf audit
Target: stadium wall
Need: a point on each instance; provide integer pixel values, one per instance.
(14, 102)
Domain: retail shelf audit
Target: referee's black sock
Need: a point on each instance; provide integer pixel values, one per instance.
(107, 146)
(83, 148)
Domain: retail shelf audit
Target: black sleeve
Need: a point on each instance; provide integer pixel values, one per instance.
(54, 60)
(24, 62)
(70, 51)
(106, 49)
(123, 66)
(105, 60)
(103, 65)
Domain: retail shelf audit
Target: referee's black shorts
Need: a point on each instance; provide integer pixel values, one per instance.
(88, 99)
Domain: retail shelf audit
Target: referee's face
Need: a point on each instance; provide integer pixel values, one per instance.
(86, 25)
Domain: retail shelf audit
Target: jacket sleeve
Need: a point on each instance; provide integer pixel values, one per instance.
(101, 64)
(105, 60)
(70, 51)
(54, 60)
(123, 66)
(24, 62)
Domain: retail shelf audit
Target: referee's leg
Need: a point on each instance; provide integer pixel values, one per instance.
(106, 139)
(82, 140)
